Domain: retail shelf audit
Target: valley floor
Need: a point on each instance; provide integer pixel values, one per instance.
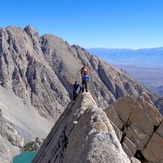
(149, 75)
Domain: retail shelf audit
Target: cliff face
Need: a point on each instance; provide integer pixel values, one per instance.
(129, 130)
(36, 77)
(138, 125)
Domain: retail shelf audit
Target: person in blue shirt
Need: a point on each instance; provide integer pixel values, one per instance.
(85, 81)
(85, 77)
(76, 90)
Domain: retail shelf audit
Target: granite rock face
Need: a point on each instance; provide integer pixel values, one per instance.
(140, 125)
(83, 133)
(129, 130)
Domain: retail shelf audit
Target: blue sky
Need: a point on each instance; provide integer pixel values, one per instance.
(90, 23)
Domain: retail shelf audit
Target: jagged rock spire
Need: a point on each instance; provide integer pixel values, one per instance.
(30, 30)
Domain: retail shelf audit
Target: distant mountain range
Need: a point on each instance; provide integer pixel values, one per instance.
(129, 56)
(145, 65)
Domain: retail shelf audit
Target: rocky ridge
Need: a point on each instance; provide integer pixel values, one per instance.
(83, 133)
(129, 130)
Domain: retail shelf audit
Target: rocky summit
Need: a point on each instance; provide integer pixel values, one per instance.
(128, 131)
(36, 77)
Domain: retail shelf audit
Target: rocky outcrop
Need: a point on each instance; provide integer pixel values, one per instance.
(139, 125)
(82, 134)
(9, 133)
(86, 133)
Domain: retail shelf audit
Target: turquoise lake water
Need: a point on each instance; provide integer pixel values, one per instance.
(25, 157)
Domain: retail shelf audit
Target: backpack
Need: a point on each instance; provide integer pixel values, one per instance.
(79, 88)
(86, 77)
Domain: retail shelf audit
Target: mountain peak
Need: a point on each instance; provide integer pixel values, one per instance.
(31, 31)
(30, 28)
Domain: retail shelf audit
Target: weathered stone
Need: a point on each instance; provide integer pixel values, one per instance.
(117, 131)
(123, 107)
(7, 131)
(113, 116)
(137, 136)
(130, 145)
(147, 153)
(127, 150)
(160, 130)
(155, 145)
(149, 108)
(141, 119)
(91, 139)
(134, 160)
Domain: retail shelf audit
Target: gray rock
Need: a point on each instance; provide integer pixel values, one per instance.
(91, 139)
(11, 134)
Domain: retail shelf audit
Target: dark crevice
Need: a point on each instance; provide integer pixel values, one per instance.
(139, 156)
(31, 76)
(119, 91)
(123, 137)
(5, 59)
(62, 145)
(155, 128)
(123, 128)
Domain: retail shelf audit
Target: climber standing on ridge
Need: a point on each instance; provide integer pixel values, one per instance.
(76, 90)
(85, 77)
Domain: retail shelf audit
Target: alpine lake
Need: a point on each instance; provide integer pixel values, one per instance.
(24, 157)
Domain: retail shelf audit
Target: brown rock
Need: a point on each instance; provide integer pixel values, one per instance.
(130, 145)
(113, 116)
(123, 107)
(160, 130)
(155, 146)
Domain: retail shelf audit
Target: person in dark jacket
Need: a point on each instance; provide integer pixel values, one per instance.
(76, 90)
